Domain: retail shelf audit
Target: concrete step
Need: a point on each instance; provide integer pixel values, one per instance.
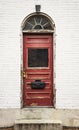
(34, 124)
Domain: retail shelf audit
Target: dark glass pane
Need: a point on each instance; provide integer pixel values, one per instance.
(44, 20)
(31, 20)
(48, 26)
(37, 27)
(38, 18)
(27, 26)
(37, 57)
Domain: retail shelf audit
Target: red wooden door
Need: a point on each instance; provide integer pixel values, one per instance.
(38, 66)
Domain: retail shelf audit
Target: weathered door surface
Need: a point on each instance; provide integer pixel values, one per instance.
(38, 70)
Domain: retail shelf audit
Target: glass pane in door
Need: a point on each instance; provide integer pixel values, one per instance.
(37, 57)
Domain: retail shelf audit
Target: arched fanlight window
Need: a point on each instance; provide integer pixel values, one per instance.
(38, 22)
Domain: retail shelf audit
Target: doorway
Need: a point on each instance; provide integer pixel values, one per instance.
(38, 65)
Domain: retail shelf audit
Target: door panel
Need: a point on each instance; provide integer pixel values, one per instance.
(38, 69)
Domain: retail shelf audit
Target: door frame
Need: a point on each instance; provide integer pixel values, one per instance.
(54, 59)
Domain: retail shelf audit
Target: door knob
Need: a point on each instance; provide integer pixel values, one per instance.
(24, 75)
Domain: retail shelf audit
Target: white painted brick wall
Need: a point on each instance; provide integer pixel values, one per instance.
(65, 14)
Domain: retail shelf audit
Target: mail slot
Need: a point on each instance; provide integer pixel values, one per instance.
(38, 84)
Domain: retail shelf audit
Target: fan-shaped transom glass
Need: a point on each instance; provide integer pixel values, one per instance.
(38, 22)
